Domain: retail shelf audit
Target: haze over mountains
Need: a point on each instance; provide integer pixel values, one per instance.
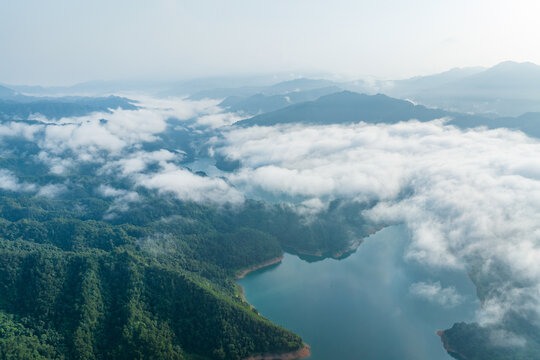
(506, 95)
(507, 89)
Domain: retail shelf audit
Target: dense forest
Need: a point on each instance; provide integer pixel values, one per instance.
(155, 281)
(94, 265)
(80, 288)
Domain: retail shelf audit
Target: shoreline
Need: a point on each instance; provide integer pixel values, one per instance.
(242, 273)
(301, 353)
(304, 351)
(447, 347)
(341, 254)
(323, 255)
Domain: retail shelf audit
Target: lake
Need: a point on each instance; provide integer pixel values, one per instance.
(372, 305)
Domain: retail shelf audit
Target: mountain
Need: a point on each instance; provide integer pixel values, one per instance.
(301, 84)
(281, 88)
(347, 107)
(507, 89)
(529, 123)
(21, 107)
(6, 92)
(154, 87)
(408, 87)
(261, 103)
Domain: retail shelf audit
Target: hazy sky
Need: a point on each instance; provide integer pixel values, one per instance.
(68, 41)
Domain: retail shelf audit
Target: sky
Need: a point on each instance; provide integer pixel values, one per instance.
(61, 42)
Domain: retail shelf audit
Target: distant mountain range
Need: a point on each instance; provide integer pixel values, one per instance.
(261, 103)
(506, 89)
(348, 107)
(16, 106)
(281, 88)
(6, 92)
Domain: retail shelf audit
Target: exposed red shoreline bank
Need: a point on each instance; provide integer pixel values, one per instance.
(244, 272)
(301, 353)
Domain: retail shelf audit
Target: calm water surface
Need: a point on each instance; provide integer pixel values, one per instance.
(362, 307)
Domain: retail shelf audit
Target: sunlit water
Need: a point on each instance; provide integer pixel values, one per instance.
(361, 307)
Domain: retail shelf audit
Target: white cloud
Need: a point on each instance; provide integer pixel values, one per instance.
(19, 129)
(8, 181)
(468, 197)
(139, 161)
(101, 135)
(122, 198)
(503, 338)
(215, 120)
(57, 165)
(51, 190)
(434, 292)
(188, 186)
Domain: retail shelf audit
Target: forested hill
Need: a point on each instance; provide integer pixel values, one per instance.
(76, 287)
(154, 280)
(348, 107)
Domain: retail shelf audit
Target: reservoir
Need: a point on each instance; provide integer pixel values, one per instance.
(374, 304)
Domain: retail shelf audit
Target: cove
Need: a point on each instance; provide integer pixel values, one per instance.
(363, 306)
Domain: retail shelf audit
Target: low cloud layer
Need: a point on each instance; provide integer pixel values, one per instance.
(435, 293)
(470, 198)
(114, 142)
(188, 186)
(8, 181)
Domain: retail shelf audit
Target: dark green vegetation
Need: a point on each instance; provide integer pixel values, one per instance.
(78, 281)
(77, 287)
(153, 282)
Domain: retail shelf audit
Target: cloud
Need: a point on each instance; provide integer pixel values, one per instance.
(470, 198)
(57, 165)
(435, 293)
(503, 338)
(100, 136)
(122, 199)
(139, 161)
(51, 190)
(8, 181)
(19, 129)
(216, 120)
(115, 141)
(191, 187)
